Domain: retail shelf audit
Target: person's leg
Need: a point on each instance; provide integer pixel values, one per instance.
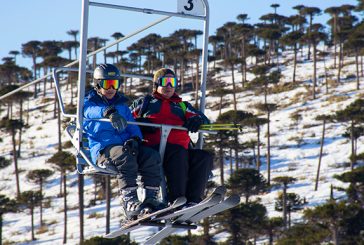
(149, 166)
(150, 170)
(127, 167)
(175, 166)
(123, 161)
(200, 166)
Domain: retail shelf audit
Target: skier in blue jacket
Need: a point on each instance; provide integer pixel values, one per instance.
(117, 145)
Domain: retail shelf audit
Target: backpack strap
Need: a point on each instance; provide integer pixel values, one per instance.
(144, 105)
(183, 106)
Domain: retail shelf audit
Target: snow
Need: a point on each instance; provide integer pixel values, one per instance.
(295, 150)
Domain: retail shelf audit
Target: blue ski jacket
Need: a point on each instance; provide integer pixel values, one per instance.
(102, 134)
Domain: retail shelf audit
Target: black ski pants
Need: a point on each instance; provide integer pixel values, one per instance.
(146, 162)
(186, 172)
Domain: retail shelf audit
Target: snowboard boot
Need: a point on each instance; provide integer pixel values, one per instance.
(151, 202)
(130, 202)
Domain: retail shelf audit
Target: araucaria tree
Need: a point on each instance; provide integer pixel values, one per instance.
(7, 205)
(30, 199)
(354, 114)
(12, 126)
(64, 161)
(248, 182)
(39, 176)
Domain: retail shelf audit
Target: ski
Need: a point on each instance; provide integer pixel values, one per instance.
(228, 203)
(215, 197)
(142, 221)
(183, 215)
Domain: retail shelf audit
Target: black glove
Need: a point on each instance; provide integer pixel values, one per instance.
(145, 129)
(132, 145)
(193, 123)
(117, 121)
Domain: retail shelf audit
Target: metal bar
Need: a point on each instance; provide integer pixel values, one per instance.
(147, 11)
(82, 72)
(204, 66)
(58, 90)
(89, 55)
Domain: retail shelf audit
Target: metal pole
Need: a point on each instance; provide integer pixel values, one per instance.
(146, 11)
(204, 65)
(82, 72)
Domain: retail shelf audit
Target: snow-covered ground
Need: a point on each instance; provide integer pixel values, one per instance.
(294, 152)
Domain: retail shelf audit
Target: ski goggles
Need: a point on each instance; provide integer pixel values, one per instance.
(106, 83)
(165, 81)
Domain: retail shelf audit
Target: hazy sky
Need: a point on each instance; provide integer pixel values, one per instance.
(26, 20)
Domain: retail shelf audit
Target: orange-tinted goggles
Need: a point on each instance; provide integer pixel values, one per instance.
(165, 81)
(106, 84)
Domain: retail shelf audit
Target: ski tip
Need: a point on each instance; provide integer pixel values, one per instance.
(221, 190)
(179, 201)
(234, 199)
(109, 235)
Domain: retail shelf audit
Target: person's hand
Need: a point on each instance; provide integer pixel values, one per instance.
(132, 145)
(193, 123)
(117, 121)
(146, 129)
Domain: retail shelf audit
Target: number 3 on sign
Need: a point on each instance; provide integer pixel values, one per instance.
(194, 7)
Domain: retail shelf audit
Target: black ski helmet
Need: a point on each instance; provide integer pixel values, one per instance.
(106, 71)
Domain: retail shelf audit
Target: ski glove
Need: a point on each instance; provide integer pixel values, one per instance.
(132, 146)
(146, 129)
(117, 120)
(193, 123)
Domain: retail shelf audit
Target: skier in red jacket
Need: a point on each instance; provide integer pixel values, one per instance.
(187, 170)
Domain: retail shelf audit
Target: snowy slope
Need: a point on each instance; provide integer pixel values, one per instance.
(287, 157)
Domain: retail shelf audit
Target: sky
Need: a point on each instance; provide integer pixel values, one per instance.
(24, 20)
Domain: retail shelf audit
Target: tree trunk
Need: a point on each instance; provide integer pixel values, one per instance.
(314, 71)
(353, 160)
(108, 203)
(41, 201)
(284, 206)
(268, 148)
(32, 221)
(236, 140)
(258, 148)
(221, 164)
(357, 70)
(335, 236)
(20, 130)
(206, 230)
(231, 160)
(295, 63)
(1, 228)
(15, 159)
(65, 208)
(320, 157)
(234, 89)
(339, 66)
(81, 205)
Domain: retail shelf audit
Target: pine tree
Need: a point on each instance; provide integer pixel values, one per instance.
(30, 199)
(247, 182)
(39, 176)
(285, 180)
(64, 161)
(7, 205)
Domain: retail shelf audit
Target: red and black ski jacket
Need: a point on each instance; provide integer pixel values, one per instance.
(161, 110)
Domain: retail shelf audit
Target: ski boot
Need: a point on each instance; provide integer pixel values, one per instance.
(151, 202)
(130, 202)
